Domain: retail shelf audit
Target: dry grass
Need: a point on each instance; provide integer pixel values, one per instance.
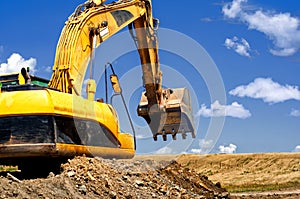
(248, 172)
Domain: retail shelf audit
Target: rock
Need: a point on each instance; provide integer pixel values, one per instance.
(163, 189)
(51, 175)
(71, 173)
(90, 176)
(113, 195)
(218, 184)
(125, 178)
(128, 196)
(139, 183)
(82, 189)
(108, 183)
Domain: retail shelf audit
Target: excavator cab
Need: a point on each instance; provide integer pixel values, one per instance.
(9, 81)
(173, 117)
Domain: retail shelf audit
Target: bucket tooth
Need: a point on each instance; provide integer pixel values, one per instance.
(174, 136)
(164, 137)
(183, 136)
(193, 135)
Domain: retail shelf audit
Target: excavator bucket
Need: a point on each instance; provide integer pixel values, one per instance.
(175, 117)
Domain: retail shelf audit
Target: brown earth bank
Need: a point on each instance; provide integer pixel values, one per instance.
(84, 177)
(272, 175)
(248, 172)
(286, 194)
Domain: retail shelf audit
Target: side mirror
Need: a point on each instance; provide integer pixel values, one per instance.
(115, 83)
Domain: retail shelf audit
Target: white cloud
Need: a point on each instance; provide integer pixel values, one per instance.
(206, 19)
(240, 46)
(164, 150)
(204, 146)
(48, 69)
(233, 9)
(295, 113)
(197, 151)
(281, 28)
(231, 148)
(267, 90)
(15, 62)
(297, 149)
(235, 110)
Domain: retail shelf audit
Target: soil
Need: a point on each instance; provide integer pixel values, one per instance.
(84, 177)
(286, 194)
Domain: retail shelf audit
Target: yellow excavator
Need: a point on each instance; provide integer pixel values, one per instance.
(52, 119)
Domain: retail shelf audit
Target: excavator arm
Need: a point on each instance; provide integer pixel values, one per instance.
(87, 24)
(167, 111)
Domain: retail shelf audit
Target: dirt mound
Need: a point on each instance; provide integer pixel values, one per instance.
(85, 177)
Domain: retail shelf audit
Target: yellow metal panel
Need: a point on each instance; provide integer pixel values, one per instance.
(105, 152)
(62, 150)
(126, 141)
(76, 106)
(49, 102)
(25, 102)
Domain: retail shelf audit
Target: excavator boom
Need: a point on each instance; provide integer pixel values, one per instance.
(167, 111)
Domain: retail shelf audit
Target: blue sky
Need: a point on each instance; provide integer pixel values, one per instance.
(254, 45)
